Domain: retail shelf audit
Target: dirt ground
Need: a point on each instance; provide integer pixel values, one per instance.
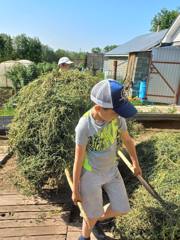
(10, 168)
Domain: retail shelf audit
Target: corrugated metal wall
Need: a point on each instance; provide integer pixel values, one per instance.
(167, 61)
(122, 63)
(95, 61)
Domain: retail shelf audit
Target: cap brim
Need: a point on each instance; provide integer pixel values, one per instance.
(68, 62)
(126, 110)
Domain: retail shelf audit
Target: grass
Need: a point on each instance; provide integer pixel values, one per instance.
(172, 109)
(139, 102)
(148, 219)
(7, 111)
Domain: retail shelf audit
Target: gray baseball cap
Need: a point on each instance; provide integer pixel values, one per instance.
(109, 93)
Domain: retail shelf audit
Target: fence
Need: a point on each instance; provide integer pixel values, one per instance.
(4, 122)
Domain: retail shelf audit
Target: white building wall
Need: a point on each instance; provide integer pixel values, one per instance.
(173, 34)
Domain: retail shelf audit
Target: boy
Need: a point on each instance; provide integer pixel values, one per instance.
(95, 165)
(64, 63)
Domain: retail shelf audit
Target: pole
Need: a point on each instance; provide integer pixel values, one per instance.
(83, 213)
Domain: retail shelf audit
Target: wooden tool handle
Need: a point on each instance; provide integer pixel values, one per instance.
(126, 161)
(83, 213)
(140, 178)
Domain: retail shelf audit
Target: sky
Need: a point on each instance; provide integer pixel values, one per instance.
(80, 25)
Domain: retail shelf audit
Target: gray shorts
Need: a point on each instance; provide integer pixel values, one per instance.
(91, 184)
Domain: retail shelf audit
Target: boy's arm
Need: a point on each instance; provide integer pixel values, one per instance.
(80, 151)
(129, 144)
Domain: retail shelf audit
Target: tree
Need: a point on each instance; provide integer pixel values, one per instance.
(77, 57)
(6, 48)
(61, 53)
(48, 54)
(105, 49)
(96, 50)
(35, 50)
(24, 47)
(21, 46)
(28, 48)
(109, 47)
(163, 19)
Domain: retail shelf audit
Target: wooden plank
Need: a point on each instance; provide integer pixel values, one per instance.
(75, 235)
(30, 208)
(130, 69)
(29, 215)
(31, 223)
(5, 192)
(42, 237)
(166, 62)
(4, 138)
(72, 235)
(20, 200)
(74, 228)
(33, 231)
(156, 116)
(7, 200)
(74, 231)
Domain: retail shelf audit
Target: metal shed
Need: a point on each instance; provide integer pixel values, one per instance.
(117, 61)
(163, 84)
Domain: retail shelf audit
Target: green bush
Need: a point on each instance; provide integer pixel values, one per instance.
(148, 219)
(46, 67)
(42, 132)
(21, 75)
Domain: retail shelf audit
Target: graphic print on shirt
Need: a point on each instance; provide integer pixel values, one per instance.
(103, 139)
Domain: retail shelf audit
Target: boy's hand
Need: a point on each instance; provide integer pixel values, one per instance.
(76, 197)
(137, 169)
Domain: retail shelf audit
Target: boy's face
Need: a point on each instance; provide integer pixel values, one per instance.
(65, 66)
(107, 114)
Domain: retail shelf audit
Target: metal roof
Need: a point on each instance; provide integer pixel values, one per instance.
(138, 44)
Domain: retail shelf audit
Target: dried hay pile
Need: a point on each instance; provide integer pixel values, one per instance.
(42, 132)
(148, 219)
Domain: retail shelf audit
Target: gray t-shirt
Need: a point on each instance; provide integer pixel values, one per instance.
(100, 140)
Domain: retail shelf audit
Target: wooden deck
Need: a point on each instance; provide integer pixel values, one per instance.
(32, 218)
(29, 218)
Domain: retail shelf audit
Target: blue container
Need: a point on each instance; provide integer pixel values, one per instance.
(142, 89)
